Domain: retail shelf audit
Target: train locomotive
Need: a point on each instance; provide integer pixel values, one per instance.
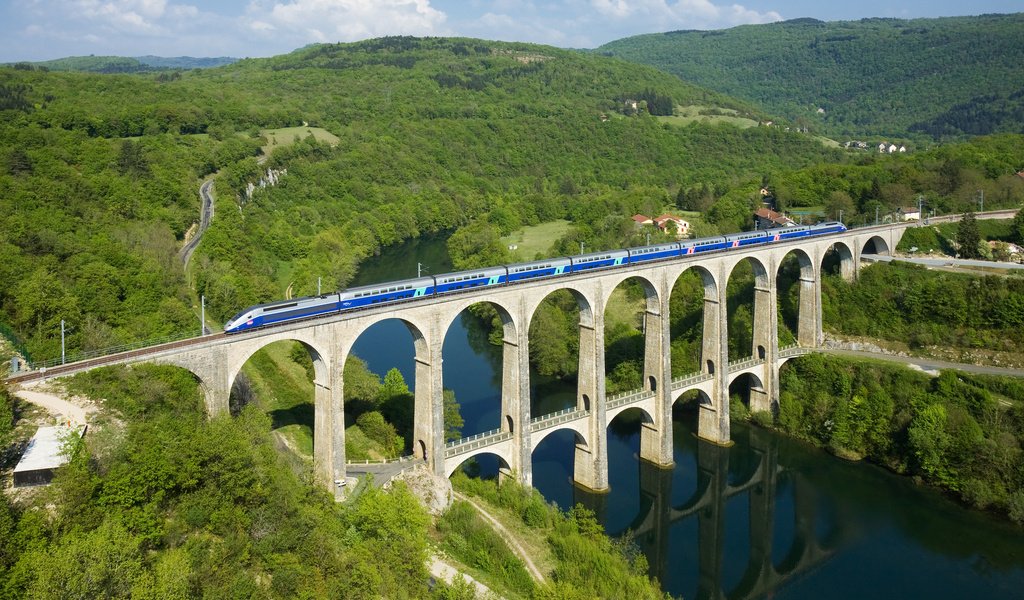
(273, 313)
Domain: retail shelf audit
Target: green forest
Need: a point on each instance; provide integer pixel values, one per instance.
(886, 78)
(957, 431)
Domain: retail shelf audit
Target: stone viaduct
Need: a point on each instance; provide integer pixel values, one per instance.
(217, 360)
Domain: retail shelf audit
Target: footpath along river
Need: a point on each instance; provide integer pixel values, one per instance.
(767, 517)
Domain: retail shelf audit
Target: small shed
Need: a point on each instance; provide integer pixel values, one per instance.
(44, 455)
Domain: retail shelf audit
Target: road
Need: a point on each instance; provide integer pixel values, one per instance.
(205, 216)
(944, 262)
(929, 364)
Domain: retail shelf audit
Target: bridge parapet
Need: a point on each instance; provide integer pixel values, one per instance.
(687, 380)
(744, 363)
(630, 397)
(557, 418)
(479, 440)
(791, 351)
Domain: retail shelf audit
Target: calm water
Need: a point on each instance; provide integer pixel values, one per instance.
(768, 516)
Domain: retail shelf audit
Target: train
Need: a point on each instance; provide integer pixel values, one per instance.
(273, 313)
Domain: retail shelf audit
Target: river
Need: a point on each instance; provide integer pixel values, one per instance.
(766, 517)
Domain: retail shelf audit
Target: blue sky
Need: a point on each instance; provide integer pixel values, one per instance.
(45, 29)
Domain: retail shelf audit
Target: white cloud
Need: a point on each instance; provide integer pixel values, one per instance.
(346, 20)
(661, 15)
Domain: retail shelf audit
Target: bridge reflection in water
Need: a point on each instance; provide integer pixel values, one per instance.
(698, 522)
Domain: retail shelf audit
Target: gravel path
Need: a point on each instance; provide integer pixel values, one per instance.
(57, 405)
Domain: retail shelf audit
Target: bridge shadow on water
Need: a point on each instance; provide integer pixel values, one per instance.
(724, 522)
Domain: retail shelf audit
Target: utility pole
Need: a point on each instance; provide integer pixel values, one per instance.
(62, 355)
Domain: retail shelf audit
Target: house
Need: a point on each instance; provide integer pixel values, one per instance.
(910, 213)
(673, 224)
(891, 148)
(765, 218)
(881, 148)
(903, 148)
(641, 220)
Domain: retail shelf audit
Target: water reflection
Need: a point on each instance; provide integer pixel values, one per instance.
(771, 513)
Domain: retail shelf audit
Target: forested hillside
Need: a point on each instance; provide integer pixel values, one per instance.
(100, 172)
(944, 77)
(124, 64)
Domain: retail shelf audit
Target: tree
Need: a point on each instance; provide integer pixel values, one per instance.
(1017, 229)
(968, 237)
(131, 160)
(452, 417)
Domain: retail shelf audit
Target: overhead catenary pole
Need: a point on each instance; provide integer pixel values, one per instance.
(62, 355)
(202, 315)
(317, 286)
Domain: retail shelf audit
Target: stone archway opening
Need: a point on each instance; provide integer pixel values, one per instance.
(630, 306)
(477, 367)
(280, 379)
(796, 300)
(381, 400)
(747, 396)
(686, 407)
(692, 293)
(554, 340)
(486, 465)
(553, 464)
(747, 303)
(838, 262)
(876, 245)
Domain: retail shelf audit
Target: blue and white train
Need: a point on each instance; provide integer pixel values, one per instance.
(273, 313)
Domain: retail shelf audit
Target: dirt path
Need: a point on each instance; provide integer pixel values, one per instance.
(77, 411)
(447, 573)
(508, 537)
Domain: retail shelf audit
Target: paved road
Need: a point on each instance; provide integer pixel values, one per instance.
(205, 216)
(382, 472)
(929, 364)
(944, 262)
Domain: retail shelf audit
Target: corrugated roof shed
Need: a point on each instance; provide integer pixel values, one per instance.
(43, 454)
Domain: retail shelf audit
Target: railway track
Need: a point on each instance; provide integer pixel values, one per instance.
(116, 358)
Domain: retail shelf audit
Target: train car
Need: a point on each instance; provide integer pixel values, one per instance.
(450, 282)
(597, 260)
(778, 234)
(645, 253)
(702, 245)
(828, 227)
(539, 268)
(746, 238)
(285, 310)
(368, 295)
